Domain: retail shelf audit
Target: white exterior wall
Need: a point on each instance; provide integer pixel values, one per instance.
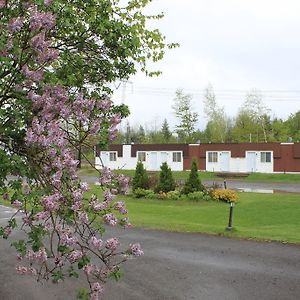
(241, 164)
(129, 163)
(261, 167)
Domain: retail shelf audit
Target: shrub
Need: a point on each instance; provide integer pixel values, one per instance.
(166, 180)
(162, 195)
(207, 197)
(140, 193)
(193, 184)
(140, 179)
(196, 196)
(224, 195)
(151, 195)
(173, 195)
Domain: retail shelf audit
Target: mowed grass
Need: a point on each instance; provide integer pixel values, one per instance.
(256, 216)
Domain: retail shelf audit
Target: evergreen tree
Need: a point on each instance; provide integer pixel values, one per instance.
(166, 180)
(140, 179)
(193, 184)
(165, 131)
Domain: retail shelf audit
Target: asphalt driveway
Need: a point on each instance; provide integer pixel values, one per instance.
(178, 266)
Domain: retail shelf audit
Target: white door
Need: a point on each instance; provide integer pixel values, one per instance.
(251, 161)
(164, 157)
(153, 161)
(104, 159)
(224, 161)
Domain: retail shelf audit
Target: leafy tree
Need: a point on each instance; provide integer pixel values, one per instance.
(166, 180)
(140, 179)
(187, 118)
(217, 119)
(244, 128)
(57, 62)
(257, 111)
(193, 183)
(293, 125)
(280, 131)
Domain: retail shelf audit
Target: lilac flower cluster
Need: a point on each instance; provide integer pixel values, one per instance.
(110, 219)
(96, 290)
(51, 141)
(135, 249)
(112, 244)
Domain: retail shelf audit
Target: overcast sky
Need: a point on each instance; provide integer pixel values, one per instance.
(234, 45)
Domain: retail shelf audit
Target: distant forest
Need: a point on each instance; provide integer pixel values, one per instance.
(253, 123)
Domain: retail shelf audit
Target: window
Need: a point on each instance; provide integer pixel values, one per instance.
(112, 156)
(265, 157)
(176, 156)
(212, 157)
(141, 156)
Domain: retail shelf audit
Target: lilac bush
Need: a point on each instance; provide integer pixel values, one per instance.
(43, 107)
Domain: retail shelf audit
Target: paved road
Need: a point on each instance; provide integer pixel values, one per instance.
(264, 187)
(179, 267)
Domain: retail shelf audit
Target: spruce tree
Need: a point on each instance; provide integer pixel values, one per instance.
(140, 179)
(166, 180)
(193, 184)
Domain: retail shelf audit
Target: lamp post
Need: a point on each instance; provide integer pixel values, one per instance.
(229, 227)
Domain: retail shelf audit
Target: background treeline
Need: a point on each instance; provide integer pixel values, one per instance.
(254, 122)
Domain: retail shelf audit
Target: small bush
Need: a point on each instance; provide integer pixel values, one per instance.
(173, 195)
(193, 184)
(162, 195)
(166, 180)
(151, 195)
(140, 179)
(225, 195)
(140, 193)
(207, 197)
(195, 196)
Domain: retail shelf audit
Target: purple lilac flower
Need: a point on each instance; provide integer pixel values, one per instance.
(15, 24)
(112, 244)
(110, 219)
(75, 256)
(135, 249)
(83, 217)
(96, 243)
(97, 206)
(17, 204)
(120, 206)
(48, 2)
(2, 3)
(89, 269)
(68, 239)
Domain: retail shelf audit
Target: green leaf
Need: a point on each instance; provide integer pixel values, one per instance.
(83, 294)
(83, 261)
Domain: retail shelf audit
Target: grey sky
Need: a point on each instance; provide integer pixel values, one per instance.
(235, 45)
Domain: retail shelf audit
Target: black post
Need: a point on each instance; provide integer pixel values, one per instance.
(225, 184)
(229, 227)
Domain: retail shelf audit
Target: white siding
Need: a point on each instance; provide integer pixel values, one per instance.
(129, 163)
(241, 164)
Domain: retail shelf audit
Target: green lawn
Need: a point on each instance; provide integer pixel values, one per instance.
(254, 177)
(257, 216)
